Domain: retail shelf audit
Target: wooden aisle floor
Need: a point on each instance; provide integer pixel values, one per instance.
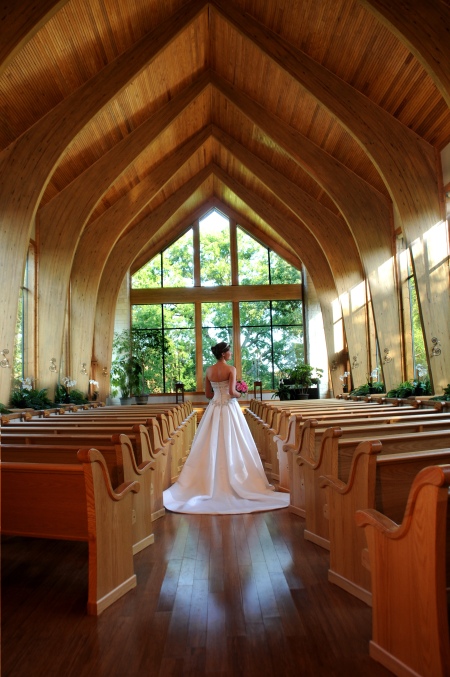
(240, 595)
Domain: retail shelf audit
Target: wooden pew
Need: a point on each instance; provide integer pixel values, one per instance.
(380, 482)
(410, 633)
(126, 469)
(178, 424)
(335, 458)
(273, 421)
(288, 449)
(147, 446)
(76, 502)
(289, 445)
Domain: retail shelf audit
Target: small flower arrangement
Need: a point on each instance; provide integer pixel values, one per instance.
(241, 387)
(64, 394)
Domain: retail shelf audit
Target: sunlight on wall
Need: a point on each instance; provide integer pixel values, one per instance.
(358, 296)
(436, 242)
(338, 336)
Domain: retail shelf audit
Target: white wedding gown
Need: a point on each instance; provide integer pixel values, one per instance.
(223, 473)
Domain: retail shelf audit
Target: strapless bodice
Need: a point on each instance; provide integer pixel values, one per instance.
(221, 392)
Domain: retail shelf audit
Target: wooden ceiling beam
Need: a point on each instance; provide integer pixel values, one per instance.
(100, 237)
(27, 164)
(20, 21)
(147, 253)
(422, 26)
(330, 231)
(405, 161)
(62, 220)
(306, 245)
(123, 255)
(286, 252)
(367, 212)
(316, 263)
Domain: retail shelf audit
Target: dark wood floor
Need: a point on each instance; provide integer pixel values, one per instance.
(241, 595)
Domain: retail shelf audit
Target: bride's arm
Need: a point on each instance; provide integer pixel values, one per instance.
(232, 382)
(209, 393)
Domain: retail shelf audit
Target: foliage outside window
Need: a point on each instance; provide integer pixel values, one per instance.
(271, 339)
(419, 353)
(217, 326)
(271, 331)
(215, 257)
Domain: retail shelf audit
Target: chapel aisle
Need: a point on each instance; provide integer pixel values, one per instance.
(240, 595)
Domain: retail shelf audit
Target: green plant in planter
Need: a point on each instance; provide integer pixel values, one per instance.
(298, 380)
(125, 375)
(24, 396)
(134, 349)
(3, 409)
(282, 392)
(369, 388)
(445, 397)
(303, 376)
(65, 393)
(410, 388)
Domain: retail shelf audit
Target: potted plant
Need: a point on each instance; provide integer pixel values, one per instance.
(304, 376)
(411, 388)
(300, 378)
(134, 349)
(125, 375)
(24, 396)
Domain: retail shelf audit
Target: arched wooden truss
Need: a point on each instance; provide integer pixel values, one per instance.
(323, 121)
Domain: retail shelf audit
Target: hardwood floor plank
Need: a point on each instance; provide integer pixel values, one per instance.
(235, 596)
(198, 618)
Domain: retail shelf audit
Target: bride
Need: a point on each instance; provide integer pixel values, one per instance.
(223, 473)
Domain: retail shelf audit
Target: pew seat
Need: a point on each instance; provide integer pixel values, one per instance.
(376, 481)
(75, 502)
(410, 633)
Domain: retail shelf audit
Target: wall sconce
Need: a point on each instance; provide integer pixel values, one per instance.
(435, 351)
(53, 366)
(355, 363)
(387, 359)
(4, 362)
(83, 369)
(333, 365)
(105, 371)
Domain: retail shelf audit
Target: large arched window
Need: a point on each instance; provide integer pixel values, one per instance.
(217, 283)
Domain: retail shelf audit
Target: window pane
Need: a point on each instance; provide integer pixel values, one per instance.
(180, 361)
(216, 327)
(18, 345)
(287, 312)
(178, 262)
(146, 317)
(215, 260)
(256, 349)
(282, 272)
(288, 347)
(256, 313)
(419, 354)
(149, 275)
(153, 371)
(217, 314)
(179, 315)
(253, 260)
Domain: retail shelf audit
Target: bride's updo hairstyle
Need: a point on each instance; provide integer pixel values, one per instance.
(219, 349)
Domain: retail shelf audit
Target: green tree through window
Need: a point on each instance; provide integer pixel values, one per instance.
(271, 332)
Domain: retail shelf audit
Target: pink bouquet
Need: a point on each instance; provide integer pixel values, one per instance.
(241, 387)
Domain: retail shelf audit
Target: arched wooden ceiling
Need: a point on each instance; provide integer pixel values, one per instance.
(110, 109)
